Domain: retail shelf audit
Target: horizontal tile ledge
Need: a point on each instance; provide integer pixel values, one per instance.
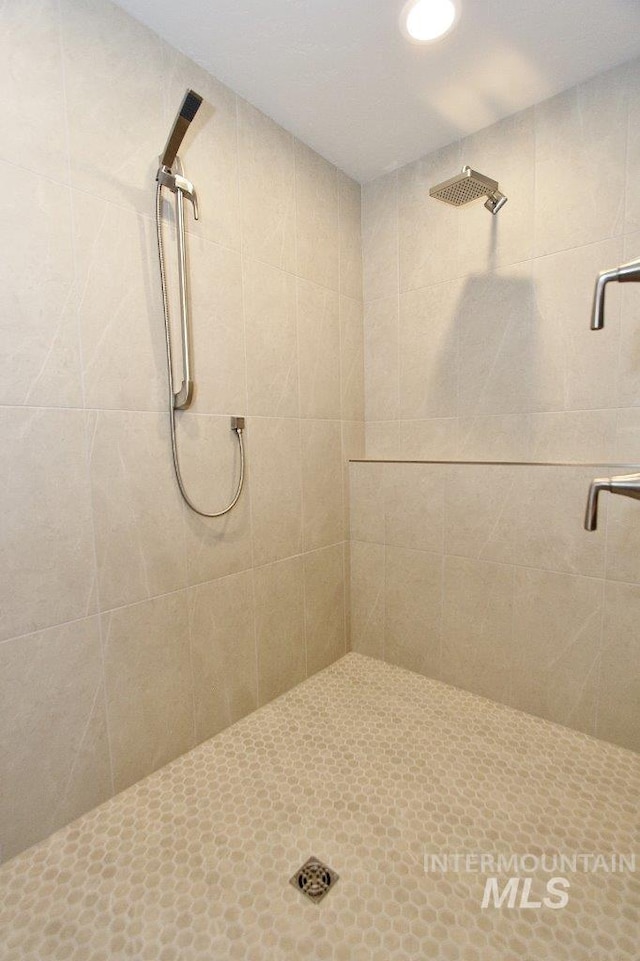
(498, 463)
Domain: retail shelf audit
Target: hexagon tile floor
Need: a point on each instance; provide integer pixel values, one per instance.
(369, 768)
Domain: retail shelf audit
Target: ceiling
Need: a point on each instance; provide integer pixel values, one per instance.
(341, 77)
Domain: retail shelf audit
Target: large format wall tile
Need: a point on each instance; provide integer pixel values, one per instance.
(271, 340)
(217, 324)
(318, 351)
(428, 229)
(501, 359)
(350, 215)
(322, 507)
(381, 359)
(324, 606)
(617, 718)
(47, 552)
(629, 355)
(317, 218)
(413, 609)
(149, 685)
(367, 598)
(414, 506)
(223, 652)
(114, 85)
(267, 189)
(137, 508)
(351, 359)
(32, 112)
(380, 238)
(577, 367)
(123, 342)
(580, 163)
(54, 750)
(275, 483)
(428, 352)
(210, 468)
(279, 598)
(40, 350)
(556, 636)
(477, 643)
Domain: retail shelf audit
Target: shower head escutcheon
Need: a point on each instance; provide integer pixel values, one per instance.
(188, 109)
(467, 186)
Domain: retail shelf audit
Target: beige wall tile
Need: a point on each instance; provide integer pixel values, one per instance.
(504, 152)
(267, 189)
(580, 164)
(272, 341)
(413, 609)
(149, 685)
(33, 109)
(48, 564)
(428, 352)
(40, 350)
(54, 751)
(619, 694)
(584, 363)
(279, 593)
(623, 534)
(275, 483)
(381, 359)
(322, 507)
(367, 598)
(428, 229)
(138, 513)
(119, 308)
(386, 439)
(632, 206)
(478, 511)
(351, 359)
(367, 497)
(414, 506)
(353, 445)
(627, 441)
(113, 64)
(210, 154)
(324, 607)
(223, 652)
(434, 438)
(557, 629)
(499, 366)
(318, 351)
(350, 237)
(210, 467)
(629, 356)
(317, 231)
(217, 324)
(380, 237)
(477, 642)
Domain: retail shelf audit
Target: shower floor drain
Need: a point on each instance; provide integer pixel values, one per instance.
(314, 879)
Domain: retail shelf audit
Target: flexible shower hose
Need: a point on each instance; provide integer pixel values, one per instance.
(172, 411)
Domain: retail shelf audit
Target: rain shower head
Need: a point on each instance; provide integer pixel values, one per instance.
(187, 112)
(467, 186)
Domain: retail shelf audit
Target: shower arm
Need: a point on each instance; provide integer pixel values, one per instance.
(182, 188)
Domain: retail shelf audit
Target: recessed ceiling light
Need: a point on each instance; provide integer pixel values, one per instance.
(426, 20)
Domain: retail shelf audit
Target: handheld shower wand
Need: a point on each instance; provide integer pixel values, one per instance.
(188, 109)
(627, 273)
(181, 188)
